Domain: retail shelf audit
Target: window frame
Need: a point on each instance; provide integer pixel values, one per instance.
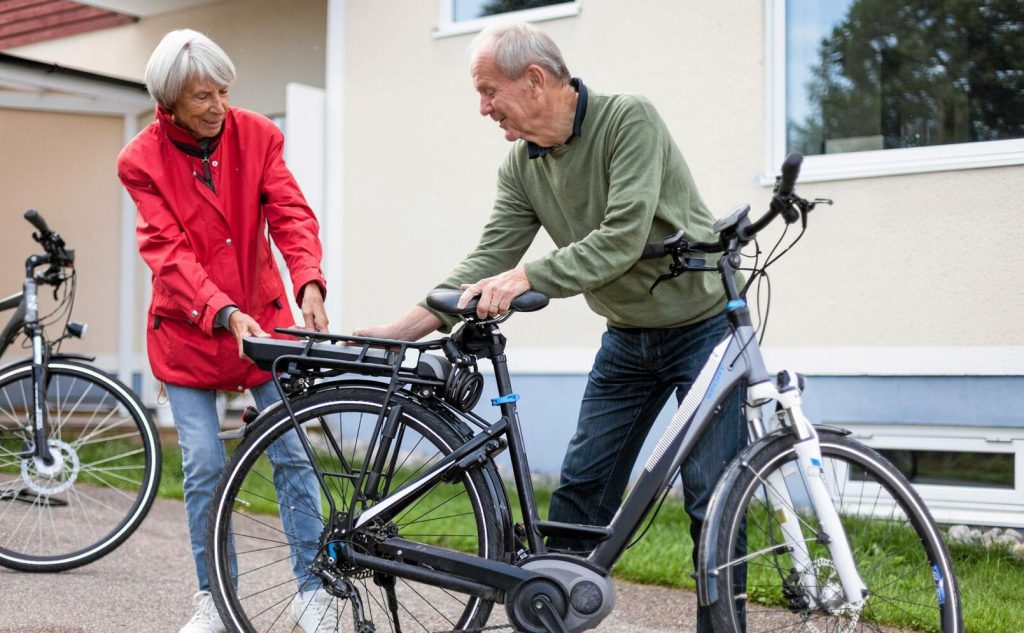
(446, 27)
(887, 162)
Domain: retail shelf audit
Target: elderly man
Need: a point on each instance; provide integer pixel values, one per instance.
(208, 180)
(602, 175)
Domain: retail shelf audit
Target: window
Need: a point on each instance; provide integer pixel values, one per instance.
(867, 87)
(964, 474)
(952, 468)
(466, 16)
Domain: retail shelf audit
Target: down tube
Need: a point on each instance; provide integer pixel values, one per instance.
(724, 369)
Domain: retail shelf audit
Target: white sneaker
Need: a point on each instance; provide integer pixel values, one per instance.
(206, 619)
(315, 612)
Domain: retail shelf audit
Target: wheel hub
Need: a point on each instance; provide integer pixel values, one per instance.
(55, 478)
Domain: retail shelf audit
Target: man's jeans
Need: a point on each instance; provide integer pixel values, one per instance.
(634, 374)
(203, 459)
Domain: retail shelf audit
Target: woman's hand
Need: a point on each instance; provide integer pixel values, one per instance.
(313, 311)
(242, 325)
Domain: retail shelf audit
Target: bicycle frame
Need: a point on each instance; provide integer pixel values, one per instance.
(735, 360)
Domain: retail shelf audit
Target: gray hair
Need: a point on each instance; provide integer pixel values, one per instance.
(183, 55)
(516, 46)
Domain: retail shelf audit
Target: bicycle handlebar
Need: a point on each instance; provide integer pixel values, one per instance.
(57, 256)
(738, 225)
(790, 171)
(37, 221)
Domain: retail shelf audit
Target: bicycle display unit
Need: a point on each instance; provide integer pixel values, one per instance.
(79, 455)
(807, 530)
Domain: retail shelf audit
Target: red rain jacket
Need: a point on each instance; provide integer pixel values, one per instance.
(208, 248)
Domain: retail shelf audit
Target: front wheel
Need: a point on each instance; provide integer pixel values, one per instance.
(268, 540)
(896, 546)
(104, 477)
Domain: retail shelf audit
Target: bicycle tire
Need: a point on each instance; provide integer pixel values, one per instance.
(106, 478)
(896, 544)
(253, 589)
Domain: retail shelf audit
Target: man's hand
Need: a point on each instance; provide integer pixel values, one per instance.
(496, 293)
(241, 325)
(411, 326)
(313, 312)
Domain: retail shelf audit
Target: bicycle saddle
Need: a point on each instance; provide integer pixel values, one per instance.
(446, 301)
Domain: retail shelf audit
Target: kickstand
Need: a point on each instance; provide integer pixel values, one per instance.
(388, 582)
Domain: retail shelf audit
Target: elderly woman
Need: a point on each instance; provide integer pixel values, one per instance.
(208, 181)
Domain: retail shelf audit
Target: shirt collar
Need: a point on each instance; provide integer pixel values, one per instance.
(536, 151)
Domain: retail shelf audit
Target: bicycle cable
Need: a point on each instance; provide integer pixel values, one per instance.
(661, 501)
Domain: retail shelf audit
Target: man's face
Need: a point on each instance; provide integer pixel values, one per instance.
(201, 108)
(507, 101)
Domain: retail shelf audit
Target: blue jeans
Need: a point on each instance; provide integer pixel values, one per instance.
(203, 459)
(635, 372)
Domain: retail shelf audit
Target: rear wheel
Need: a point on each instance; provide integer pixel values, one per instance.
(252, 551)
(105, 474)
(896, 546)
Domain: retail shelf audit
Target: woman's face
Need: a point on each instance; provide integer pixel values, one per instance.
(201, 108)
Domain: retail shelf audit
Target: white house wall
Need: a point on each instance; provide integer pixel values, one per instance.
(917, 261)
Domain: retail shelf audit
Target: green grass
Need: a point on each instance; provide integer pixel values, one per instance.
(991, 581)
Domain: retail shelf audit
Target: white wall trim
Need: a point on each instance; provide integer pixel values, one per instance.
(333, 213)
(890, 162)
(128, 305)
(818, 361)
(446, 27)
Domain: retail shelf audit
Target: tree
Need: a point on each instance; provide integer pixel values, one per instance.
(495, 7)
(918, 72)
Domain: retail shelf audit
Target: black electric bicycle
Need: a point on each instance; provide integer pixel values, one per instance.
(808, 530)
(79, 455)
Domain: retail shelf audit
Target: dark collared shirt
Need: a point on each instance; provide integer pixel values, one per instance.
(536, 151)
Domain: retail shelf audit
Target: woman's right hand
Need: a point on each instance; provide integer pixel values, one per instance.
(242, 325)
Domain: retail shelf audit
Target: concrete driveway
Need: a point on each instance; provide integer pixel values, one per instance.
(146, 586)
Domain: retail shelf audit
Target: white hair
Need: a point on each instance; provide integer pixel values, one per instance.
(181, 56)
(516, 46)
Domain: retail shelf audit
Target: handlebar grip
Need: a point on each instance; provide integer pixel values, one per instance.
(37, 221)
(653, 251)
(790, 171)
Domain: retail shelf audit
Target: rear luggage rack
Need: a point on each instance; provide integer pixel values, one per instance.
(335, 354)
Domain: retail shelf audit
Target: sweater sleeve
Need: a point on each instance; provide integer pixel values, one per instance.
(635, 164)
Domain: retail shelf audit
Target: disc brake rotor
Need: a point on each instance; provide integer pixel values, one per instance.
(54, 479)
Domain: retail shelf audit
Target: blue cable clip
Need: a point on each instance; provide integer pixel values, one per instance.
(512, 397)
(735, 304)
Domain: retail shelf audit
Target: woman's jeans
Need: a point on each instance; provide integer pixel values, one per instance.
(203, 459)
(635, 372)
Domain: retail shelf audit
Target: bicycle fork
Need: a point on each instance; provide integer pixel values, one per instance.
(811, 472)
(45, 462)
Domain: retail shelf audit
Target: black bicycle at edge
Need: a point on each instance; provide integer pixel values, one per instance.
(79, 455)
(807, 530)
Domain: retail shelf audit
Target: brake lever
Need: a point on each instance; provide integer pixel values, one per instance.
(816, 202)
(676, 268)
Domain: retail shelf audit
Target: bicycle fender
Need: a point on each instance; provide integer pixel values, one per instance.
(707, 559)
(82, 357)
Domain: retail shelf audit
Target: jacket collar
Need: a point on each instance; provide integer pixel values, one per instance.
(181, 137)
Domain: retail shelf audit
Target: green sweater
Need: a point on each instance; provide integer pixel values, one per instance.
(601, 198)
